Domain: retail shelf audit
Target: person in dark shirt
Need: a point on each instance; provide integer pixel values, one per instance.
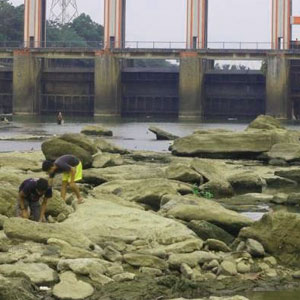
(71, 169)
(30, 192)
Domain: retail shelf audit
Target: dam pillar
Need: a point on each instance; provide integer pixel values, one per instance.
(107, 84)
(281, 24)
(191, 83)
(34, 23)
(27, 71)
(114, 23)
(196, 24)
(277, 87)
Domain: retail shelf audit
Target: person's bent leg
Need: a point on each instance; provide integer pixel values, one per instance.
(64, 190)
(35, 211)
(76, 191)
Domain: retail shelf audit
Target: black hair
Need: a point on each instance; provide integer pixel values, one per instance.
(42, 185)
(47, 165)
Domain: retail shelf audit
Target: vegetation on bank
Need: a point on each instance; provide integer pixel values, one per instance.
(81, 31)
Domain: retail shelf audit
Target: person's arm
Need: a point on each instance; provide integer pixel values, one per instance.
(24, 211)
(43, 209)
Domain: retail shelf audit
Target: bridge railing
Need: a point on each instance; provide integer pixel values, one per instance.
(227, 45)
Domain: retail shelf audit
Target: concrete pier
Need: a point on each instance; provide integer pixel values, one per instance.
(26, 82)
(277, 87)
(191, 77)
(107, 85)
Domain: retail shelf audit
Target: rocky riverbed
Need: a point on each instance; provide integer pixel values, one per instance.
(158, 225)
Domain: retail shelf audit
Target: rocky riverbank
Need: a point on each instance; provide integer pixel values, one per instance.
(158, 225)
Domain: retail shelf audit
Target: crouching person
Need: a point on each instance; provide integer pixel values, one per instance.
(71, 169)
(30, 192)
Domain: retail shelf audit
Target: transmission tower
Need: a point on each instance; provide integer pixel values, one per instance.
(63, 11)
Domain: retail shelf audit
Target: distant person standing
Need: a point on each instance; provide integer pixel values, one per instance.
(71, 169)
(59, 119)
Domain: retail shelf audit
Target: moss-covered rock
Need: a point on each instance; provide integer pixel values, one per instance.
(57, 147)
(8, 199)
(80, 140)
(96, 130)
(279, 233)
(265, 122)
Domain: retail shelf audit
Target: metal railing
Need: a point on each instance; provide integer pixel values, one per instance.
(94, 45)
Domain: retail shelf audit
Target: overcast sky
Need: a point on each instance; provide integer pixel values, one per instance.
(164, 20)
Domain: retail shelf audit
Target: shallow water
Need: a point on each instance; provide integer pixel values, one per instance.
(132, 134)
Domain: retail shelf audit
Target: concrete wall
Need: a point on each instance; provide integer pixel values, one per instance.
(278, 103)
(107, 85)
(26, 82)
(191, 81)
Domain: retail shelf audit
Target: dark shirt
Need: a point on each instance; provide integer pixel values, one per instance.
(28, 187)
(64, 164)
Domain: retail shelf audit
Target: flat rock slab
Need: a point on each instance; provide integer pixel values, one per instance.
(231, 145)
(96, 130)
(71, 288)
(101, 220)
(38, 273)
(40, 232)
(212, 212)
(162, 134)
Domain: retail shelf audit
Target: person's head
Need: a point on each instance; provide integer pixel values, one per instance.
(42, 186)
(47, 166)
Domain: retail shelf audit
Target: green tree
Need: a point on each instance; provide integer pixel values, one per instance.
(87, 29)
(63, 36)
(11, 22)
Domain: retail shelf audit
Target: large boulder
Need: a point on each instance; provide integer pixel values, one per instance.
(30, 161)
(106, 146)
(96, 130)
(162, 134)
(72, 288)
(289, 152)
(57, 147)
(248, 144)
(57, 205)
(183, 173)
(214, 175)
(212, 212)
(124, 172)
(18, 228)
(147, 191)
(104, 160)
(246, 182)
(206, 230)
(279, 233)
(101, 220)
(38, 273)
(8, 199)
(265, 122)
(290, 173)
(80, 140)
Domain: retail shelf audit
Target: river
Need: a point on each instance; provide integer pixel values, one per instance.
(132, 134)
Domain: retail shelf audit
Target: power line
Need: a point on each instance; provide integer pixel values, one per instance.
(63, 11)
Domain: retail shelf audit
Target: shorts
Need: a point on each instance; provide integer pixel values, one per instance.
(78, 175)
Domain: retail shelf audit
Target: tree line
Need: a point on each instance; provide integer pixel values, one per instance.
(82, 30)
